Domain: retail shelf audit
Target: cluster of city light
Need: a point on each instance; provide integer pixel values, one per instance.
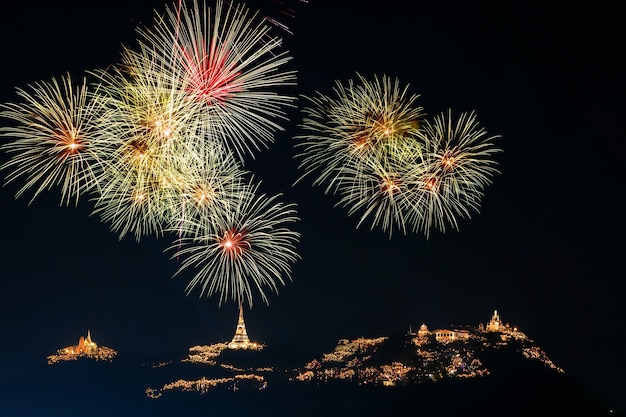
(436, 360)
(347, 348)
(203, 384)
(393, 168)
(157, 143)
(348, 361)
(439, 354)
(534, 352)
(205, 353)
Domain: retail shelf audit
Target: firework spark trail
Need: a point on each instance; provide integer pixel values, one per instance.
(275, 11)
(381, 195)
(209, 185)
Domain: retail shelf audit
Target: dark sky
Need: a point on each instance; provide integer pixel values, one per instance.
(546, 249)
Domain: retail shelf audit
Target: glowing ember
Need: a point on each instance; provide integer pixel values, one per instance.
(431, 184)
(233, 243)
(70, 145)
(389, 186)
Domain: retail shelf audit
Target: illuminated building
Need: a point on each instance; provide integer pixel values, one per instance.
(506, 331)
(495, 324)
(240, 339)
(423, 334)
(446, 336)
(85, 348)
(423, 331)
(86, 345)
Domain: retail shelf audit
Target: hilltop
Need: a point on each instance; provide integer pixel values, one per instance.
(487, 370)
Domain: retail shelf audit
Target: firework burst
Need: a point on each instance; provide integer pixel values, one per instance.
(249, 250)
(149, 129)
(359, 143)
(207, 186)
(389, 165)
(146, 116)
(225, 59)
(363, 126)
(134, 201)
(381, 194)
(458, 165)
(159, 144)
(52, 139)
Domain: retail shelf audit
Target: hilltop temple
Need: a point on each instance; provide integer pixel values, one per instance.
(240, 339)
(86, 345)
(507, 332)
(85, 348)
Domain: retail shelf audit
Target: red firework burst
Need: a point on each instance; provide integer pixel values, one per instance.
(212, 77)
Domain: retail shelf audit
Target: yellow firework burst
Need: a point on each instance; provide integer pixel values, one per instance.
(248, 250)
(52, 138)
(458, 165)
(391, 167)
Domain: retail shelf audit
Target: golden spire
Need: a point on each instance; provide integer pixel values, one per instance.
(240, 339)
(240, 313)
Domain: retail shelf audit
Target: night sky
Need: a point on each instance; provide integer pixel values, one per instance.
(546, 250)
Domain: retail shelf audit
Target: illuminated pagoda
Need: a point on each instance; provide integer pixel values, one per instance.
(240, 339)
